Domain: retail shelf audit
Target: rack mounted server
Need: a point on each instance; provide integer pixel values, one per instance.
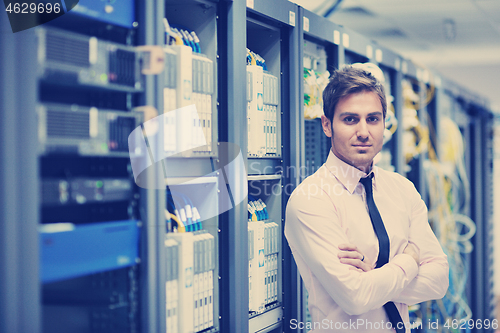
(86, 131)
(74, 59)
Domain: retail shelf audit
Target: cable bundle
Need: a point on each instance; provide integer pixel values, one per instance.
(255, 59)
(181, 212)
(257, 210)
(449, 198)
(180, 36)
(314, 84)
(416, 135)
(391, 123)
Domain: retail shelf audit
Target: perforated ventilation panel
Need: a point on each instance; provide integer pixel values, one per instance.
(67, 50)
(67, 124)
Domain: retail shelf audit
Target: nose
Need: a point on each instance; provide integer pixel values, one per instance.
(362, 131)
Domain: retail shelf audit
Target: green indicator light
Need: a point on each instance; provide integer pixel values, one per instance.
(104, 78)
(98, 184)
(104, 146)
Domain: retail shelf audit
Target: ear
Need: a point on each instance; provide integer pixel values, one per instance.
(327, 126)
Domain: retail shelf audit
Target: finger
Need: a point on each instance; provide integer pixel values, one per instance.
(365, 267)
(350, 254)
(348, 247)
(353, 262)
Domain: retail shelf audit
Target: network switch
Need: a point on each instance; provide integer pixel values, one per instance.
(85, 131)
(85, 190)
(73, 59)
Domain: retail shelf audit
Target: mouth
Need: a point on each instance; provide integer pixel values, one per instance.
(362, 146)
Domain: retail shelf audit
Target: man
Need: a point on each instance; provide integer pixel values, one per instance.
(359, 234)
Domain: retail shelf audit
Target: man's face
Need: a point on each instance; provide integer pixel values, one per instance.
(358, 129)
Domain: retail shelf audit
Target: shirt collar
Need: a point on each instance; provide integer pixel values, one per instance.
(346, 174)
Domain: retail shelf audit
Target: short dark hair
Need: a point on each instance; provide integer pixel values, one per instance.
(350, 80)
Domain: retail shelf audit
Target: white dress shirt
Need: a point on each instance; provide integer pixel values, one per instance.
(329, 208)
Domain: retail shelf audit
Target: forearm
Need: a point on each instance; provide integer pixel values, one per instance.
(430, 283)
(365, 291)
(432, 279)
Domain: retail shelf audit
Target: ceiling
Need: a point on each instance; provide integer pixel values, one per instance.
(459, 39)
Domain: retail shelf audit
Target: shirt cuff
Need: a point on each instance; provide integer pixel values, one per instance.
(407, 264)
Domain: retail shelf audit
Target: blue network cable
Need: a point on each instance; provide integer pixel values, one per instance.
(187, 37)
(260, 208)
(196, 41)
(189, 211)
(180, 213)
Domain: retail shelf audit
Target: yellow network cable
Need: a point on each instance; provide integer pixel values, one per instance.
(254, 217)
(416, 135)
(180, 225)
(177, 36)
(429, 90)
(253, 62)
(314, 84)
(392, 122)
(452, 148)
(447, 179)
(447, 184)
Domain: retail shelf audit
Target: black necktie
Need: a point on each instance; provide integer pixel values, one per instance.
(384, 244)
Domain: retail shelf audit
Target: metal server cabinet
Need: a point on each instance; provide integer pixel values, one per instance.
(482, 210)
(470, 114)
(320, 40)
(481, 138)
(390, 63)
(42, 90)
(232, 120)
(414, 169)
(272, 33)
(467, 110)
(84, 121)
(198, 173)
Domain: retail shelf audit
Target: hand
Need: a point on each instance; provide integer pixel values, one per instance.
(413, 251)
(350, 255)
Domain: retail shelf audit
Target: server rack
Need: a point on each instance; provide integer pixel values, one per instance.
(196, 173)
(120, 86)
(449, 103)
(413, 170)
(480, 164)
(320, 49)
(414, 167)
(272, 31)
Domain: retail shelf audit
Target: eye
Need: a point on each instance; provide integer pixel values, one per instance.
(373, 119)
(350, 120)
